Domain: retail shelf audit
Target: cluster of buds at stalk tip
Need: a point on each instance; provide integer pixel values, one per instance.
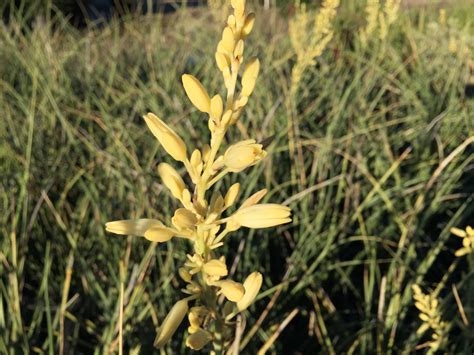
(467, 236)
(216, 298)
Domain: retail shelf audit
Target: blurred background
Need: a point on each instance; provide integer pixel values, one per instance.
(373, 149)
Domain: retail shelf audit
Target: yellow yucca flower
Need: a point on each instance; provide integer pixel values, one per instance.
(200, 218)
(467, 236)
(170, 141)
(242, 155)
(171, 323)
(252, 285)
(196, 92)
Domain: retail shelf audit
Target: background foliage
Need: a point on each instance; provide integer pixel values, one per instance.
(386, 140)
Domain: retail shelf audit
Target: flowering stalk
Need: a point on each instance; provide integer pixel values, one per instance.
(200, 219)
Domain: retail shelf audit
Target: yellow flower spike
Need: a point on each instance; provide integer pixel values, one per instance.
(196, 93)
(215, 268)
(252, 285)
(248, 24)
(172, 180)
(242, 155)
(228, 42)
(136, 227)
(159, 234)
(232, 290)
(262, 216)
(217, 107)
(199, 339)
(231, 195)
(171, 323)
(249, 77)
(184, 219)
(170, 141)
(223, 61)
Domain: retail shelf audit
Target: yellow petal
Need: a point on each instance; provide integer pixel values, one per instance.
(252, 285)
(231, 195)
(159, 234)
(184, 219)
(232, 290)
(262, 216)
(196, 93)
(132, 226)
(458, 232)
(172, 180)
(215, 268)
(249, 77)
(199, 339)
(170, 141)
(171, 323)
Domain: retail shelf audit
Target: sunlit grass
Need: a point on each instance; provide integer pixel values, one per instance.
(387, 151)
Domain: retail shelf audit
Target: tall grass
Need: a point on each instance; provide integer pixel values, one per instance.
(387, 139)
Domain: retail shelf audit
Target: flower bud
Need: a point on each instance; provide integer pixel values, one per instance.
(222, 61)
(215, 268)
(252, 285)
(254, 199)
(171, 323)
(170, 141)
(262, 216)
(228, 41)
(199, 339)
(242, 155)
(136, 227)
(185, 275)
(196, 93)
(231, 195)
(172, 180)
(248, 25)
(232, 290)
(217, 106)
(249, 77)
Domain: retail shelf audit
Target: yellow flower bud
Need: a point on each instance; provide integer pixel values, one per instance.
(217, 107)
(248, 25)
(171, 179)
(228, 42)
(185, 275)
(170, 141)
(252, 285)
(196, 93)
(239, 49)
(171, 323)
(199, 339)
(184, 219)
(262, 216)
(458, 232)
(254, 199)
(215, 268)
(159, 234)
(136, 227)
(249, 77)
(239, 7)
(242, 155)
(196, 161)
(231, 195)
(232, 290)
(222, 61)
